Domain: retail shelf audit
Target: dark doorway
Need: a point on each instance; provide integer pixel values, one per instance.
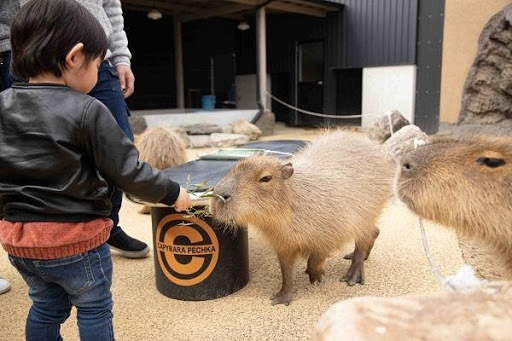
(224, 88)
(349, 96)
(310, 82)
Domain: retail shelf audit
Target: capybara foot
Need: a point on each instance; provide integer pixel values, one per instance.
(315, 276)
(349, 256)
(281, 297)
(354, 275)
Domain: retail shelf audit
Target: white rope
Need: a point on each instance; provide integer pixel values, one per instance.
(312, 113)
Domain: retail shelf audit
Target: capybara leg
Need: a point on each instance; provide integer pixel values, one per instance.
(315, 268)
(376, 234)
(355, 273)
(287, 262)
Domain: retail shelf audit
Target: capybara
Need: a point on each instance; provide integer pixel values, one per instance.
(161, 148)
(466, 185)
(327, 195)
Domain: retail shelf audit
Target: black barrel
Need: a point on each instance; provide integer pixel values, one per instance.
(196, 260)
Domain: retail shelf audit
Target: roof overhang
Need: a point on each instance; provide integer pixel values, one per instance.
(189, 10)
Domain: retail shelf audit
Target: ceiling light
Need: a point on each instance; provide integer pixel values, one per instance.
(243, 26)
(155, 15)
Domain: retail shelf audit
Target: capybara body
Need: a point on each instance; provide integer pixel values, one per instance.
(325, 196)
(162, 148)
(466, 185)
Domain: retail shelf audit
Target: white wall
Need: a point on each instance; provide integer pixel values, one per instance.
(246, 92)
(388, 88)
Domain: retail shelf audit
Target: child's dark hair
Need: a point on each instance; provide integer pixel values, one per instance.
(44, 31)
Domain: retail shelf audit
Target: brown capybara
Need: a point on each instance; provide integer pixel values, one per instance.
(466, 185)
(162, 148)
(327, 195)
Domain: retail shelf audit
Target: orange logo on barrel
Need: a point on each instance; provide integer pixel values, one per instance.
(187, 249)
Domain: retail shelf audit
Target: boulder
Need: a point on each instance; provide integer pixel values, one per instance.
(487, 93)
(484, 313)
(203, 129)
(266, 123)
(227, 140)
(138, 124)
(403, 141)
(381, 129)
(245, 128)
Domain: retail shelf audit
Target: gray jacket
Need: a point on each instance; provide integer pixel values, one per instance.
(108, 12)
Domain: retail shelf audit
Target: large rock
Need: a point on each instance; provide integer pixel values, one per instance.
(480, 314)
(487, 94)
(245, 128)
(217, 140)
(381, 129)
(266, 123)
(203, 129)
(228, 140)
(403, 141)
(138, 124)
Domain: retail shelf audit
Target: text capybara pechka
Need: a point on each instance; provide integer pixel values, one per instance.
(464, 184)
(325, 196)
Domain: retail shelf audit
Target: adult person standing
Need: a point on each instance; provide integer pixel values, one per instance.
(115, 83)
(7, 10)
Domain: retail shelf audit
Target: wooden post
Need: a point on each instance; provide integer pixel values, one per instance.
(178, 63)
(262, 56)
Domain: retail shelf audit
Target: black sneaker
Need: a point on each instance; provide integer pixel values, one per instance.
(127, 246)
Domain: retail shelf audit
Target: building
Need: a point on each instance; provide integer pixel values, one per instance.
(342, 57)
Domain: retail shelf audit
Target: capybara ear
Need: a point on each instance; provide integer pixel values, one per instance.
(286, 170)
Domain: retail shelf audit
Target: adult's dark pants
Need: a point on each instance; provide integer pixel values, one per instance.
(108, 91)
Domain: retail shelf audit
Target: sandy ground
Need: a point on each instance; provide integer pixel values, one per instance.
(397, 266)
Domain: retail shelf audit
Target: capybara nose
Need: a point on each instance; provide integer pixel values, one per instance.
(221, 195)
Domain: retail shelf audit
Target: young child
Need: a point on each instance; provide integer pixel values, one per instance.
(59, 149)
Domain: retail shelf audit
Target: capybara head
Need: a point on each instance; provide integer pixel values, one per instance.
(464, 184)
(253, 189)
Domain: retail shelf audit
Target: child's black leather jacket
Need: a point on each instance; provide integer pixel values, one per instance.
(59, 150)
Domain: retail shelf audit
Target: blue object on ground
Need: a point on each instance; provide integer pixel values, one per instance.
(208, 102)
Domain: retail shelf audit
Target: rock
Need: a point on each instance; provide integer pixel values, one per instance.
(480, 314)
(245, 128)
(199, 141)
(487, 93)
(138, 124)
(503, 128)
(403, 141)
(228, 129)
(217, 140)
(227, 140)
(266, 123)
(380, 131)
(203, 129)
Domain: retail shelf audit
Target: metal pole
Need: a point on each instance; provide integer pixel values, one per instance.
(262, 56)
(178, 64)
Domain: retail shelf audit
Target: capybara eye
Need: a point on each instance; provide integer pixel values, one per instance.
(406, 166)
(266, 178)
(491, 162)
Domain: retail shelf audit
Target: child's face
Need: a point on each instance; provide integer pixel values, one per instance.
(84, 77)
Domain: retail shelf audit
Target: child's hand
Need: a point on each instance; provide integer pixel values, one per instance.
(183, 201)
